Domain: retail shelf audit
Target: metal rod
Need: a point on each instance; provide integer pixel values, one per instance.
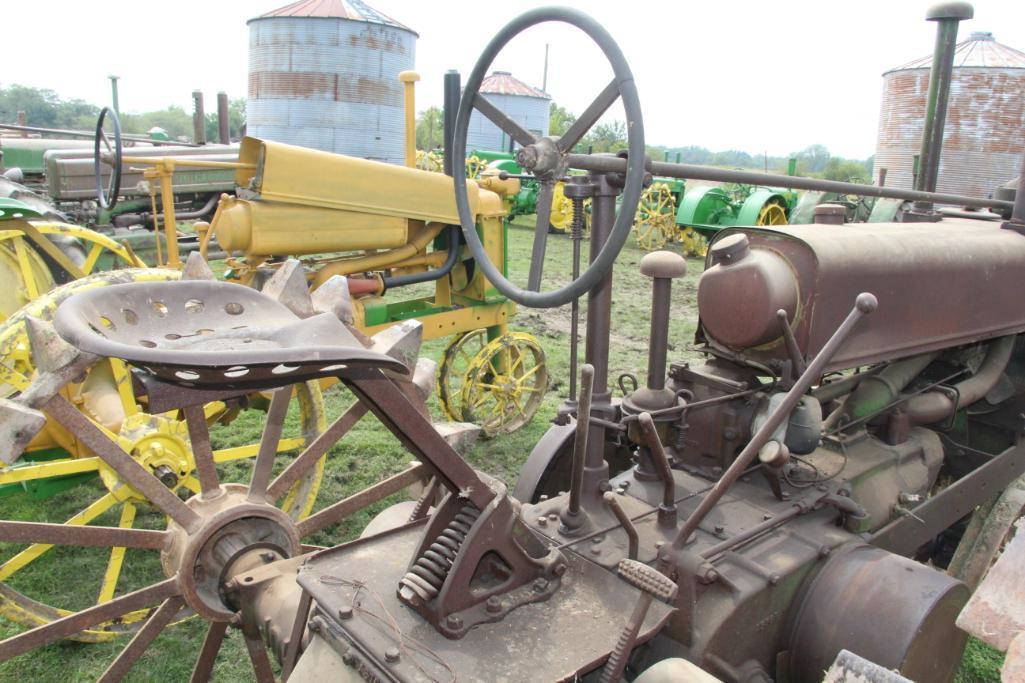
(198, 118)
(658, 339)
(793, 350)
(948, 16)
(452, 95)
(90, 135)
(580, 442)
(624, 519)
(667, 510)
(223, 127)
(866, 304)
(199, 438)
(612, 164)
(113, 94)
(269, 444)
(753, 531)
(336, 512)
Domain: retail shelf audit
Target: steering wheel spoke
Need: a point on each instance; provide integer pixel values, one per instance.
(546, 159)
(107, 198)
(498, 117)
(545, 194)
(585, 122)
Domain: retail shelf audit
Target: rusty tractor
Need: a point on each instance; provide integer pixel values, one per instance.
(756, 517)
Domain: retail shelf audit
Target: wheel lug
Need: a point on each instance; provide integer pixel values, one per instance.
(167, 476)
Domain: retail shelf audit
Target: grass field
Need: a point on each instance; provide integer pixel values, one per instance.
(70, 578)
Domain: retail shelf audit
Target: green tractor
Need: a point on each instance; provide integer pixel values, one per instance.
(706, 210)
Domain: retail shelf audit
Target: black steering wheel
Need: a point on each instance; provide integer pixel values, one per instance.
(547, 158)
(111, 156)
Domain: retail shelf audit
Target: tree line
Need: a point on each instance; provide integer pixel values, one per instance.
(814, 160)
(44, 108)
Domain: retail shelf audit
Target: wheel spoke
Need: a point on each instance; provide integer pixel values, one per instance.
(79, 621)
(258, 654)
(106, 142)
(321, 445)
(586, 121)
(498, 117)
(97, 508)
(117, 557)
(135, 474)
(142, 640)
(204, 668)
(537, 255)
(98, 536)
(336, 512)
(199, 437)
(269, 443)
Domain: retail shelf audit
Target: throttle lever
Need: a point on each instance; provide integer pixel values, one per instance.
(865, 304)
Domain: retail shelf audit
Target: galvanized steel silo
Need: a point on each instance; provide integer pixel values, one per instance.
(324, 74)
(525, 105)
(982, 141)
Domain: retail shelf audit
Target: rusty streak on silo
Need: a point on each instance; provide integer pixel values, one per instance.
(982, 141)
(324, 74)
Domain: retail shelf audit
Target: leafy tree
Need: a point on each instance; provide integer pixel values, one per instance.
(606, 137)
(812, 159)
(430, 129)
(845, 170)
(559, 120)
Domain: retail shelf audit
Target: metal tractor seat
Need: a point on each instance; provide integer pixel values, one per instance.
(214, 335)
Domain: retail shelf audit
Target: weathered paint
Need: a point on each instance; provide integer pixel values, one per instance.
(329, 80)
(526, 105)
(982, 142)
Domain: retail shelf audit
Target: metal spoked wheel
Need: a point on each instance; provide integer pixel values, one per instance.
(773, 213)
(505, 384)
(656, 218)
(455, 365)
(692, 242)
(107, 150)
(82, 491)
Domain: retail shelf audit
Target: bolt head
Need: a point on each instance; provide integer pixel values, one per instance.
(559, 569)
(494, 604)
(345, 612)
(392, 654)
(453, 621)
(542, 521)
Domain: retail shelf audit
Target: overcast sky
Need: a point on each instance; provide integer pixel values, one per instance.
(756, 76)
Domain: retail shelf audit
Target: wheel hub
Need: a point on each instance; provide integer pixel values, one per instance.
(235, 535)
(159, 444)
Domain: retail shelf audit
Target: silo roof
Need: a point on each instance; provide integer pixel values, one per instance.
(354, 10)
(503, 83)
(980, 50)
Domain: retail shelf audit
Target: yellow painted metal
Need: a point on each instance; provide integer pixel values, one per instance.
(655, 222)
(117, 557)
(455, 364)
(562, 209)
(772, 214)
(310, 177)
(693, 242)
(362, 264)
(267, 228)
(409, 79)
(447, 323)
(505, 384)
(44, 470)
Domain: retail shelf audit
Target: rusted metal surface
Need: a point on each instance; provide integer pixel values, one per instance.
(156, 623)
(909, 266)
(341, 509)
(996, 612)
(203, 670)
(982, 142)
(889, 609)
(851, 668)
(322, 75)
(63, 534)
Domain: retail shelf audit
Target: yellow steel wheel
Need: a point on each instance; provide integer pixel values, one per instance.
(693, 242)
(455, 364)
(772, 213)
(429, 161)
(562, 210)
(505, 384)
(655, 222)
(160, 442)
(24, 269)
(474, 165)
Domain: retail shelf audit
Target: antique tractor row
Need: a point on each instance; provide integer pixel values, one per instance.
(747, 518)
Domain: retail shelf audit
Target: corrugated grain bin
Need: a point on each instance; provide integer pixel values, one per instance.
(983, 139)
(525, 105)
(324, 74)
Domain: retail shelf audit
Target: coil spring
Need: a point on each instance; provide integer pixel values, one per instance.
(428, 573)
(577, 226)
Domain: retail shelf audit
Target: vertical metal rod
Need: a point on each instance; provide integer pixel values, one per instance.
(667, 510)
(882, 177)
(198, 118)
(576, 235)
(452, 94)
(948, 16)
(199, 436)
(223, 120)
(409, 79)
(580, 442)
(658, 340)
(113, 94)
(1018, 212)
(170, 222)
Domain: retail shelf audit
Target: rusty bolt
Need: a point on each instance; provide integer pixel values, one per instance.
(595, 550)
(710, 575)
(315, 625)
(559, 569)
(766, 517)
(553, 517)
(543, 498)
(597, 539)
(824, 551)
(267, 557)
(540, 585)
(345, 612)
(719, 528)
(454, 622)
(542, 521)
(392, 654)
(494, 604)
(773, 579)
(348, 658)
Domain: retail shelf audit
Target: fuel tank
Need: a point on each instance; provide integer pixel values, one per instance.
(938, 284)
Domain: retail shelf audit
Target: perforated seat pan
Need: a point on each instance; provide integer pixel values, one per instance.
(202, 333)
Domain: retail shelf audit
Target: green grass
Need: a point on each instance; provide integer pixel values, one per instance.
(69, 577)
